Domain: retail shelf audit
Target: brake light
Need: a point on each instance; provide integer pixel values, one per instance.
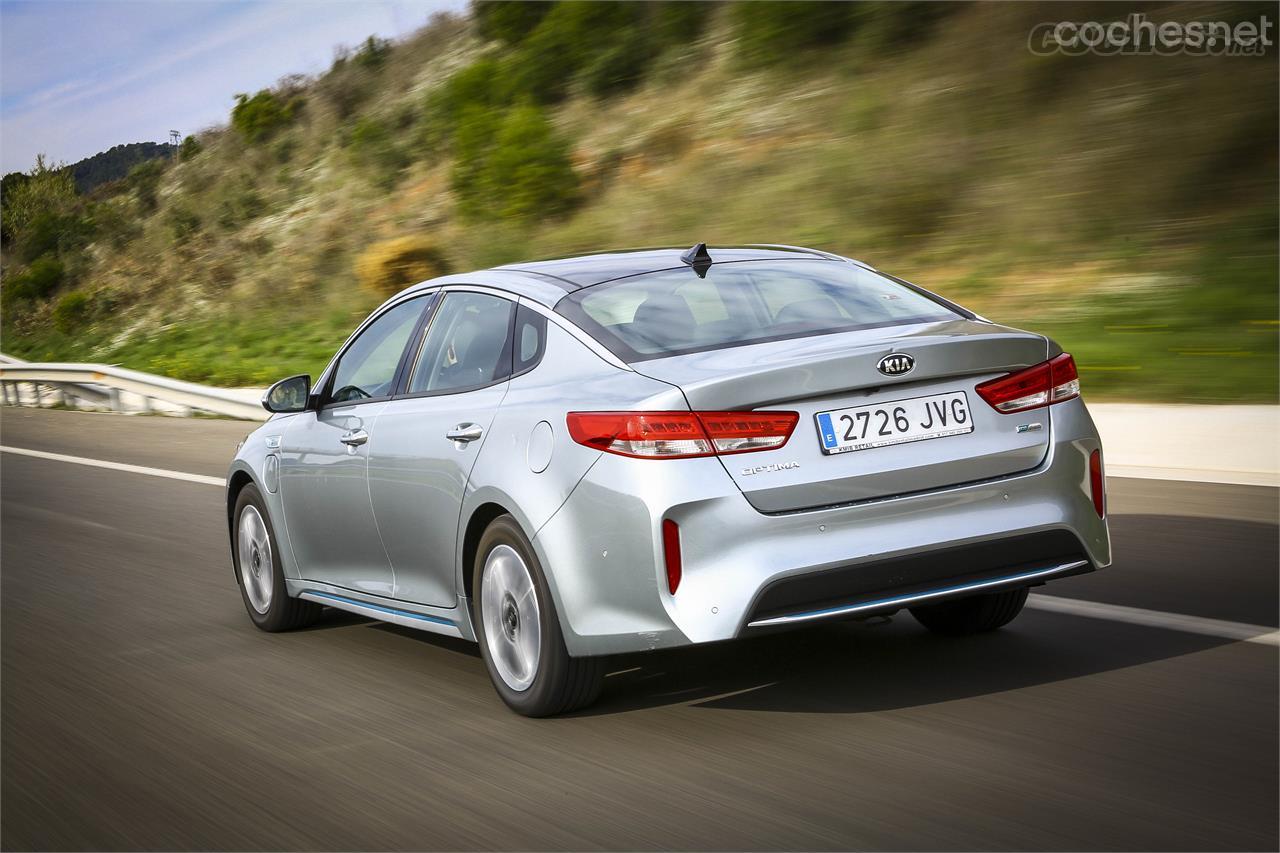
(681, 435)
(671, 554)
(1053, 381)
(1097, 484)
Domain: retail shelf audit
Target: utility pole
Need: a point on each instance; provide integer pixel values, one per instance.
(175, 139)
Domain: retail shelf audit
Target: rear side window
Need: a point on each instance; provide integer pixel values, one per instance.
(530, 339)
(467, 344)
(743, 302)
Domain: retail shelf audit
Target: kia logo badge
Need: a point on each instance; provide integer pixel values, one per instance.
(896, 364)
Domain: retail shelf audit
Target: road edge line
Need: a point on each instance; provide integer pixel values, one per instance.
(1221, 628)
(117, 466)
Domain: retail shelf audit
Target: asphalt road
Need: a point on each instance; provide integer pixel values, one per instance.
(140, 709)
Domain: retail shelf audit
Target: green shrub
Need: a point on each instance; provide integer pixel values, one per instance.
(189, 148)
(50, 232)
(373, 146)
(372, 53)
(38, 281)
(45, 189)
(388, 267)
(773, 31)
(529, 173)
(617, 68)
(473, 142)
(144, 180)
(183, 222)
(260, 116)
(504, 20)
(70, 311)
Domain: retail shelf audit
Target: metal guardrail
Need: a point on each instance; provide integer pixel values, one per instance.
(101, 384)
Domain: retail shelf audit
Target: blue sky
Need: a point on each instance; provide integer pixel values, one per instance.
(78, 77)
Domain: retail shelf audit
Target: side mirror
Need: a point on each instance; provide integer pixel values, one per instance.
(288, 395)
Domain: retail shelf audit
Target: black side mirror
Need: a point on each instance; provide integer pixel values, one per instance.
(288, 395)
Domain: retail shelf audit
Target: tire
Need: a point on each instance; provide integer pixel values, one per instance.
(531, 670)
(972, 615)
(258, 572)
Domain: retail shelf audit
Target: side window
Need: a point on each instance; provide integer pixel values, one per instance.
(368, 367)
(468, 344)
(530, 339)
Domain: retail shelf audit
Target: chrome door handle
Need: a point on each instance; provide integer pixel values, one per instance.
(465, 432)
(355, 438)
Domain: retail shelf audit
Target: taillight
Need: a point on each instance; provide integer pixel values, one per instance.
(671, 554)
(1097, 484)
(681, 435)
(1052, 381)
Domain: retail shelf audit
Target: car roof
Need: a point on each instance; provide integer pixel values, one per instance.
(547, 281)
(587, 270)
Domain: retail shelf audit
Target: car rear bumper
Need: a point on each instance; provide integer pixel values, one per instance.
(744, 570)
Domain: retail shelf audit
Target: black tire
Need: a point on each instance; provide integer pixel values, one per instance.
(972, 615)
(283, 613)
(560, 683)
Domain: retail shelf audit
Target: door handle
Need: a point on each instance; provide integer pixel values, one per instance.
(355, 438)
(465, 432)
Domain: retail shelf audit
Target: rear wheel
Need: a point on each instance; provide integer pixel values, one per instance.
(519, 633)
(972, 615)
(258, 572)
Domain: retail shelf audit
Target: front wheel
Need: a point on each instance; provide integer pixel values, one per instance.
(520, 637)
(972, 615)
(258, 571)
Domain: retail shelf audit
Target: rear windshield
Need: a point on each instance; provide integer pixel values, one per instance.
(744, 302)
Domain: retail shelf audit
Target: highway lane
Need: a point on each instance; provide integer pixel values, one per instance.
(140, 709)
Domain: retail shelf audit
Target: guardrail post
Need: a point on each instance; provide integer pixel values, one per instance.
(113, 394)
(144, 404)
(4, 390)
(60, 396)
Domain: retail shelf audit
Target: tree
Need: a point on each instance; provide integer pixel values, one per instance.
(189, 148)
(529, 173)
(47, 189)
(260, 116)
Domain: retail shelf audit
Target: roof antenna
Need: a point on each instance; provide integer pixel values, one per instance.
(699, 258)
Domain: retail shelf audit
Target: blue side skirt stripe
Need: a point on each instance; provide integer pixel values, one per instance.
(393, 611)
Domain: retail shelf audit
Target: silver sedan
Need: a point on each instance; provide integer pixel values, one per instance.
(568, 459)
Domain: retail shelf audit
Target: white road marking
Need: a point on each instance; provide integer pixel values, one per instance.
(1070, 606)
(117, 466)
(1157, 619)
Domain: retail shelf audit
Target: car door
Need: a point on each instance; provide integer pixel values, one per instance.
(430, 436)
(324, 457)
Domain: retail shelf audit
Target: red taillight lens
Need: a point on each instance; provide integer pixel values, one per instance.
(1048, 382)
(1097, 484)
(681, 435)
(671, 554)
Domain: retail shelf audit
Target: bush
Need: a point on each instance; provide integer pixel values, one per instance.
(189, 148)
(70, 311)
(40, 280)
(45, 189)
(372, 53)
(260, 116)
(529, 170)
(144, 180)
(50, 232)
(508, 21)
(617, 68)
(388, 267)
(372, 145)
(773, 31)
(511, 166)
(183, 223)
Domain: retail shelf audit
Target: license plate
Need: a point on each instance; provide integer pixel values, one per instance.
(894, 422)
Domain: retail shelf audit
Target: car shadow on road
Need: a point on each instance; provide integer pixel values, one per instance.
(851, 668)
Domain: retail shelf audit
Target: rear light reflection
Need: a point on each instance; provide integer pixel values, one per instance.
(681, 435)
(1097, 484)
(1053, 381)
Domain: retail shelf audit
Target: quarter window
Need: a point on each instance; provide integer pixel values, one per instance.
(367, 368)
(467, 346)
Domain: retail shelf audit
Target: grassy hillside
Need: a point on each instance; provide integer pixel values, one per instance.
(1125, 205)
